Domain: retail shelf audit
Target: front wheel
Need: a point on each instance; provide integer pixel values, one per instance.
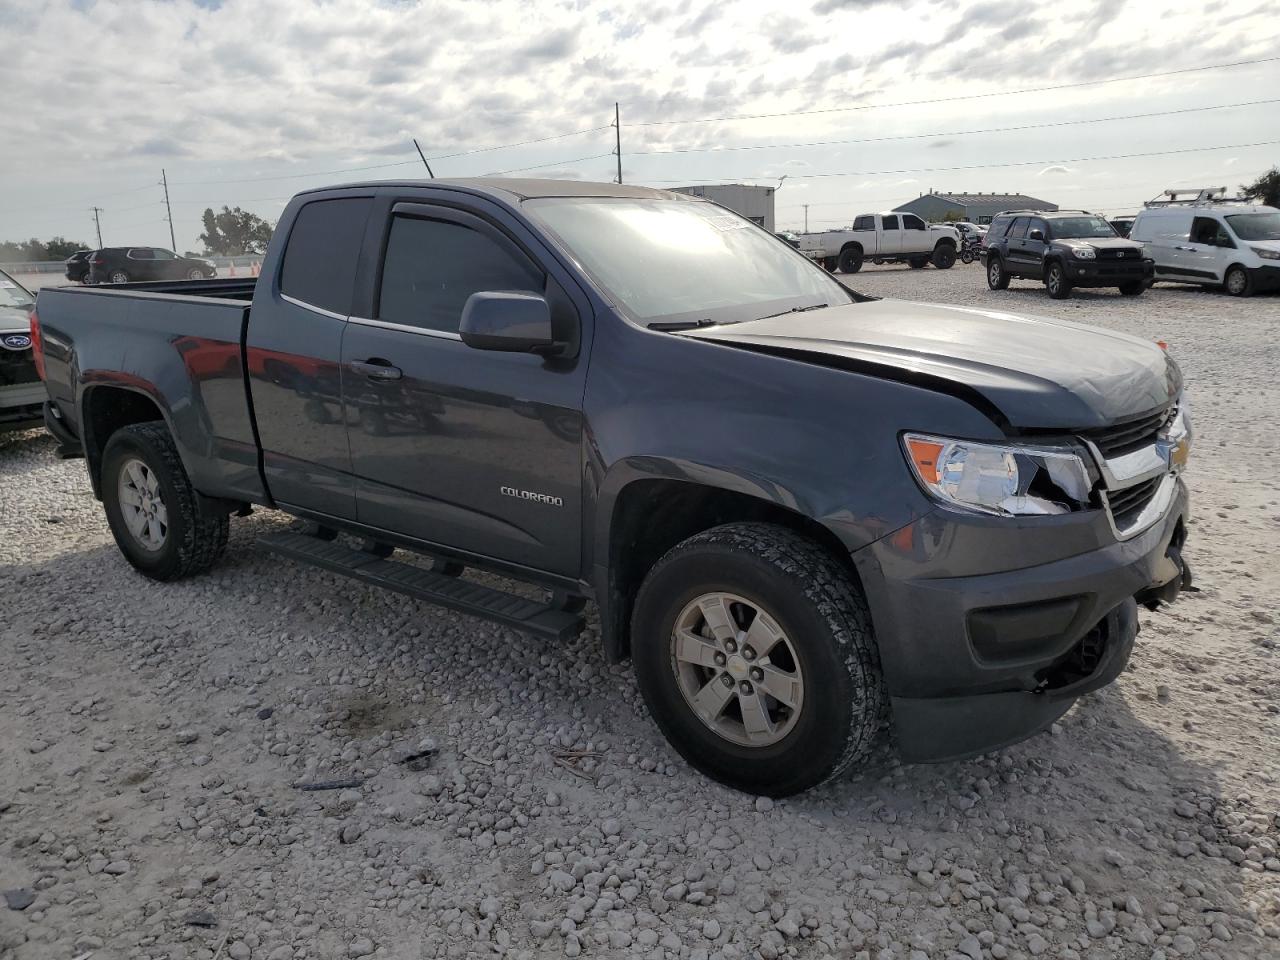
(195, 274)
(966, 255)
(754, 651)
(161, 525)
(997, 278)
(1056, 282)
(944, 256)
(850, 260)
(830, 264)
(1237, 282)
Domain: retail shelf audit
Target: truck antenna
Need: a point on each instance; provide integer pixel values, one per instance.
(424, 158)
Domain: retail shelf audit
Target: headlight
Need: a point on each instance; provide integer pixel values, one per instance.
(1266, 254)
(997, 479)
(1084, 253)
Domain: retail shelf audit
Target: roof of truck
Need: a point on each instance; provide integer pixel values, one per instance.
(524, 189)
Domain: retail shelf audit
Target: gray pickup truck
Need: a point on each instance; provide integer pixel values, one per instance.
(799, 510)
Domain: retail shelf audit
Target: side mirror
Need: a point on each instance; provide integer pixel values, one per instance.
(1036, 235)
(508, 321)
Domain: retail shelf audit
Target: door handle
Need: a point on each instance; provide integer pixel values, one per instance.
(375, 368)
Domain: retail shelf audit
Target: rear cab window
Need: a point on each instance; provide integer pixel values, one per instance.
(320, 260)
(865, 222)
(890, 223)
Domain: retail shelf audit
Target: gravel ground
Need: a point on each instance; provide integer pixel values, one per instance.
(513, 799)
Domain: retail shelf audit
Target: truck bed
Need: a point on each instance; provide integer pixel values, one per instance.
(221, 288)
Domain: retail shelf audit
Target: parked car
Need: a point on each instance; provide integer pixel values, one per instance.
(77, 266)
(868, 504)
(790, 238)
(22, 395)
(1065, 249)
(883, 238)
(1121, 225)
(140, 264)
(1234, 246)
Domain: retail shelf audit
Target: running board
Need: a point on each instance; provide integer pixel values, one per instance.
(540, 619)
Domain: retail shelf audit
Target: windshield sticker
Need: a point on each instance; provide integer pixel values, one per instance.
(8, 285)
(717, 219)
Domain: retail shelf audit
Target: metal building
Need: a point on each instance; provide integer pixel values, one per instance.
(754, 203)
(973, 207)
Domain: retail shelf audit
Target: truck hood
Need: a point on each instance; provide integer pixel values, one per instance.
(1026, 373)
(1105, 243)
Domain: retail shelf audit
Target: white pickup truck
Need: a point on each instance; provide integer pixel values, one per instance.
(883, 238)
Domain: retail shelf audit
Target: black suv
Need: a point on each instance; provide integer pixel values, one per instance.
(77, 266)
(1065, 249)
(132, 264)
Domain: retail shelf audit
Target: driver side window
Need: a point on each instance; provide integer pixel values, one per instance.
(1210, 232)
(912, 223)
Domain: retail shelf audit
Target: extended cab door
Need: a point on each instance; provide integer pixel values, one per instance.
(890, 236)
(293, 348)
(474, 450)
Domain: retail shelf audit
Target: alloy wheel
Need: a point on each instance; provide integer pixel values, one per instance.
(142, 505)
(737, 670)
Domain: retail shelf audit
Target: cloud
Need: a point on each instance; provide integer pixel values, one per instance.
(1055, 170)
(940, 144)
(825, 7)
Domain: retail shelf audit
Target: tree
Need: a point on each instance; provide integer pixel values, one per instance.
(234, 232)
(34, 251)
(1266, 189)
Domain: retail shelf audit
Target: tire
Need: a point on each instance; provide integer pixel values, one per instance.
(966, 255)
(918, 263)
(944, 256)
(118, 276)
(826, 646)
(195, 274)
(192, 536)
(1237, 282)
(830, 264)
(997, 276)
(1056, 282)
(1134, 288)
(850, 260)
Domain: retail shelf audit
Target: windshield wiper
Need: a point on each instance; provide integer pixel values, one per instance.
(672, 326)
(816, 306)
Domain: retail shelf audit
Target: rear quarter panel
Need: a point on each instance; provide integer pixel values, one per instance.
(182, 352)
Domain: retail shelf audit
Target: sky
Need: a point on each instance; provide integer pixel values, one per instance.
(859, 104)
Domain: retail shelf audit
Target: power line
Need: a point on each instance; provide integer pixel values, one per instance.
(954, 133)
(553, 163)
(296, 176)
(967, 96)
(521, 143)
(985, 166)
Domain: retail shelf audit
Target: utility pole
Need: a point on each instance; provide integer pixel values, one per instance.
(97, 223)
(617, 139)
(164, 179)
(806, 217)
(424, 159)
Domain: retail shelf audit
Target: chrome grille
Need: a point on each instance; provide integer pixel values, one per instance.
(1126, 504)
(1122, 438)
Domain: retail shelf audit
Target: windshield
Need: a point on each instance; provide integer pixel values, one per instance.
(1255, 226)
(1079, 228)
(674, 260)
(12, 294)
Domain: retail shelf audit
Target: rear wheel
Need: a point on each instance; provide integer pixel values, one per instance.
(997, 278)
(1237, 282)
(161, 525)
(754, 651)
(830, 264)
(850, 260)
(1056, 282)
(944, 256)
(1133, 288)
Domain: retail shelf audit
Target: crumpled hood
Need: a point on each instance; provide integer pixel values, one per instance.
(1035, 372)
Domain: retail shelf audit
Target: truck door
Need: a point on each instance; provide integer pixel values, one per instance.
(476, 450)
(1034, 248)
(890, 236)
(293, 348)
(1207, 251)
(915, 235)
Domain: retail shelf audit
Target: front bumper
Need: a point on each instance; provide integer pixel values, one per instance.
(21, 406)
(1108, 273)
(990, 628)
(1265, 278)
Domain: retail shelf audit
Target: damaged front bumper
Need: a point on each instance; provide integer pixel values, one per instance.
(989, 629)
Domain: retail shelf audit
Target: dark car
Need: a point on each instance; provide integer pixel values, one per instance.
(798, 509)
(1064, 249)
(77, 266)
(790, 238)
(22, 395)
(138, 264)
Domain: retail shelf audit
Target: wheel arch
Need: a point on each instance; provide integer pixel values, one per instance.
(650, 515)
(945, 242)
(853, 245)
(104, 409)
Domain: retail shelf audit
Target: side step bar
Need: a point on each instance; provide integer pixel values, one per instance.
(540, 619)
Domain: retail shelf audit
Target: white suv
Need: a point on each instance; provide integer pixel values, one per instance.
(1232, 245)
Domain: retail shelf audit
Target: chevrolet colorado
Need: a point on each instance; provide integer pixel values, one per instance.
(797, 509)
